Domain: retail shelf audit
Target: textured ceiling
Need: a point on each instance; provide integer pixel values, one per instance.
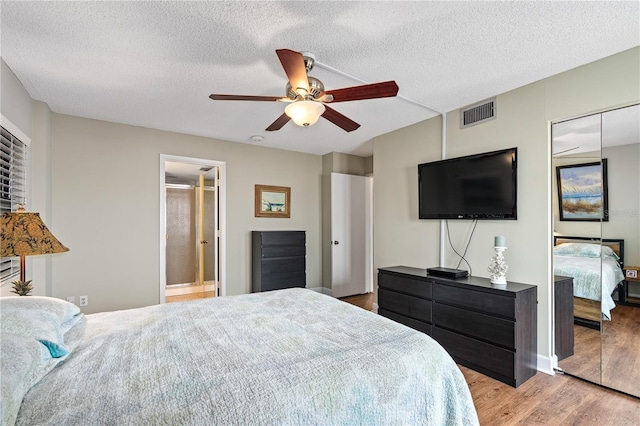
(153, 64)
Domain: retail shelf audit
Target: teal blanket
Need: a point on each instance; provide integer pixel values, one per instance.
(292, 357)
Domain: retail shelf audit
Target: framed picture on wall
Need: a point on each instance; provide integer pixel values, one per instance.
(272, 201)
(582, 192)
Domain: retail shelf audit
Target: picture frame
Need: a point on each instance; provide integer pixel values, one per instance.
(583, 192)
(631, 274)
(272, 201)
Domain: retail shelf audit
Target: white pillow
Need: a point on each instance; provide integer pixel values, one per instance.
(23, 362)
(584, 250)
(45, 319)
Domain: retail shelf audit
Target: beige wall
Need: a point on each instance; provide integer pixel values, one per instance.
(624, 192)
(399, 237)
(31, 119)
(15, 102)
(523, 120)
(336, 162)
(368, 165)
(105, 196)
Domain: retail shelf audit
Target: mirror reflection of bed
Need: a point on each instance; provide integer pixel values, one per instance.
(606, 341)
(596, 266)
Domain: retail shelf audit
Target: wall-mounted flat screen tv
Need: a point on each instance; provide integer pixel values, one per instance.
(480, 186)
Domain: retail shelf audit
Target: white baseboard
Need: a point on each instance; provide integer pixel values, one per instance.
(546, 364)
(322, 290)
(327, 291)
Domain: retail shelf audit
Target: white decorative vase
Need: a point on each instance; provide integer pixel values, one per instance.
(498, 268)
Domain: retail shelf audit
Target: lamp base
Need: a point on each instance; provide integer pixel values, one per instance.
(498, 268)
(22, 288)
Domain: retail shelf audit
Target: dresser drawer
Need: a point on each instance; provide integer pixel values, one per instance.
(282, 251)
(283, 265)
(413, 307)
(477, 300)
(405, 284)
(284, 280)
(483, 357)
(409, 322)
(483, 327)
(282, 238)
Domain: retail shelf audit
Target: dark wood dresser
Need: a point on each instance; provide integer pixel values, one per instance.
(488, 329)
(563, 316)
(278, 260)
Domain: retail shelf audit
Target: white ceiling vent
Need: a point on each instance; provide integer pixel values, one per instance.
(478, 113)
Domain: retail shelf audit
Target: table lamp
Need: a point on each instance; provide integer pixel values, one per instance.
(24, 234)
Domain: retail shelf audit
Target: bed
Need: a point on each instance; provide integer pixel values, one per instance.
(596, 268)
(289, 356)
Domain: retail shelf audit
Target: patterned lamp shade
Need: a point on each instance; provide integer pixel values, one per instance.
(24, 234)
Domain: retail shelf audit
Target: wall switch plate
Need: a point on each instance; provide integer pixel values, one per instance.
(71, 299)
(84, 300)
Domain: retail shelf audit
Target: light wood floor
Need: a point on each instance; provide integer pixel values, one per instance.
(550, 400)
(585, 361)
(621, 350)
(619, 344)
(543, 399)
(364, 301)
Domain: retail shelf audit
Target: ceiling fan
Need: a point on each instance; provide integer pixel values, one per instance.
(307, 96)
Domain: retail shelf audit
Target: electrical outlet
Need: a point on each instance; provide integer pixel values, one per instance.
(71, 299)
(84, 300)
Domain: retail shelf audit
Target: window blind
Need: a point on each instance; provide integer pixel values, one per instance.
(13, 165)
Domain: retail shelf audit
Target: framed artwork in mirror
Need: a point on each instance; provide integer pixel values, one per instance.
(272, 201)
(582, 192)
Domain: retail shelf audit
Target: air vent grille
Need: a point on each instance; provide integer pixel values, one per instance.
(478, 113)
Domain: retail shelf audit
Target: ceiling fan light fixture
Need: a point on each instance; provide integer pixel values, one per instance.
(307, 96)
(305, 113)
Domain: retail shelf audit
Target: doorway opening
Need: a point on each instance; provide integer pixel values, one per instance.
(191, 228)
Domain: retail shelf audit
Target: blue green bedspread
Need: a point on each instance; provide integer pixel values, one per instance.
(593, 278)
(291, 357)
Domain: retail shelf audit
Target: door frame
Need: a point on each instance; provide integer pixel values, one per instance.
(162, 242)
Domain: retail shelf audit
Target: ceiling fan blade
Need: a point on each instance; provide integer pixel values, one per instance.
(340, 120)
(293, 64)
(217, 97)
(280, 121)
(367, 91)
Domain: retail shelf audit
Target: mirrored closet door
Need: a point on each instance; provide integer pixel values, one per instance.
(578, 201)
(596, 204)
(621, 335)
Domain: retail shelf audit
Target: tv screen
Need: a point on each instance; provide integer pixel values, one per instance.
(480, 186)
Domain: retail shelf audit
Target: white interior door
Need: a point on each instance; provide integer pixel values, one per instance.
(351, 235)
